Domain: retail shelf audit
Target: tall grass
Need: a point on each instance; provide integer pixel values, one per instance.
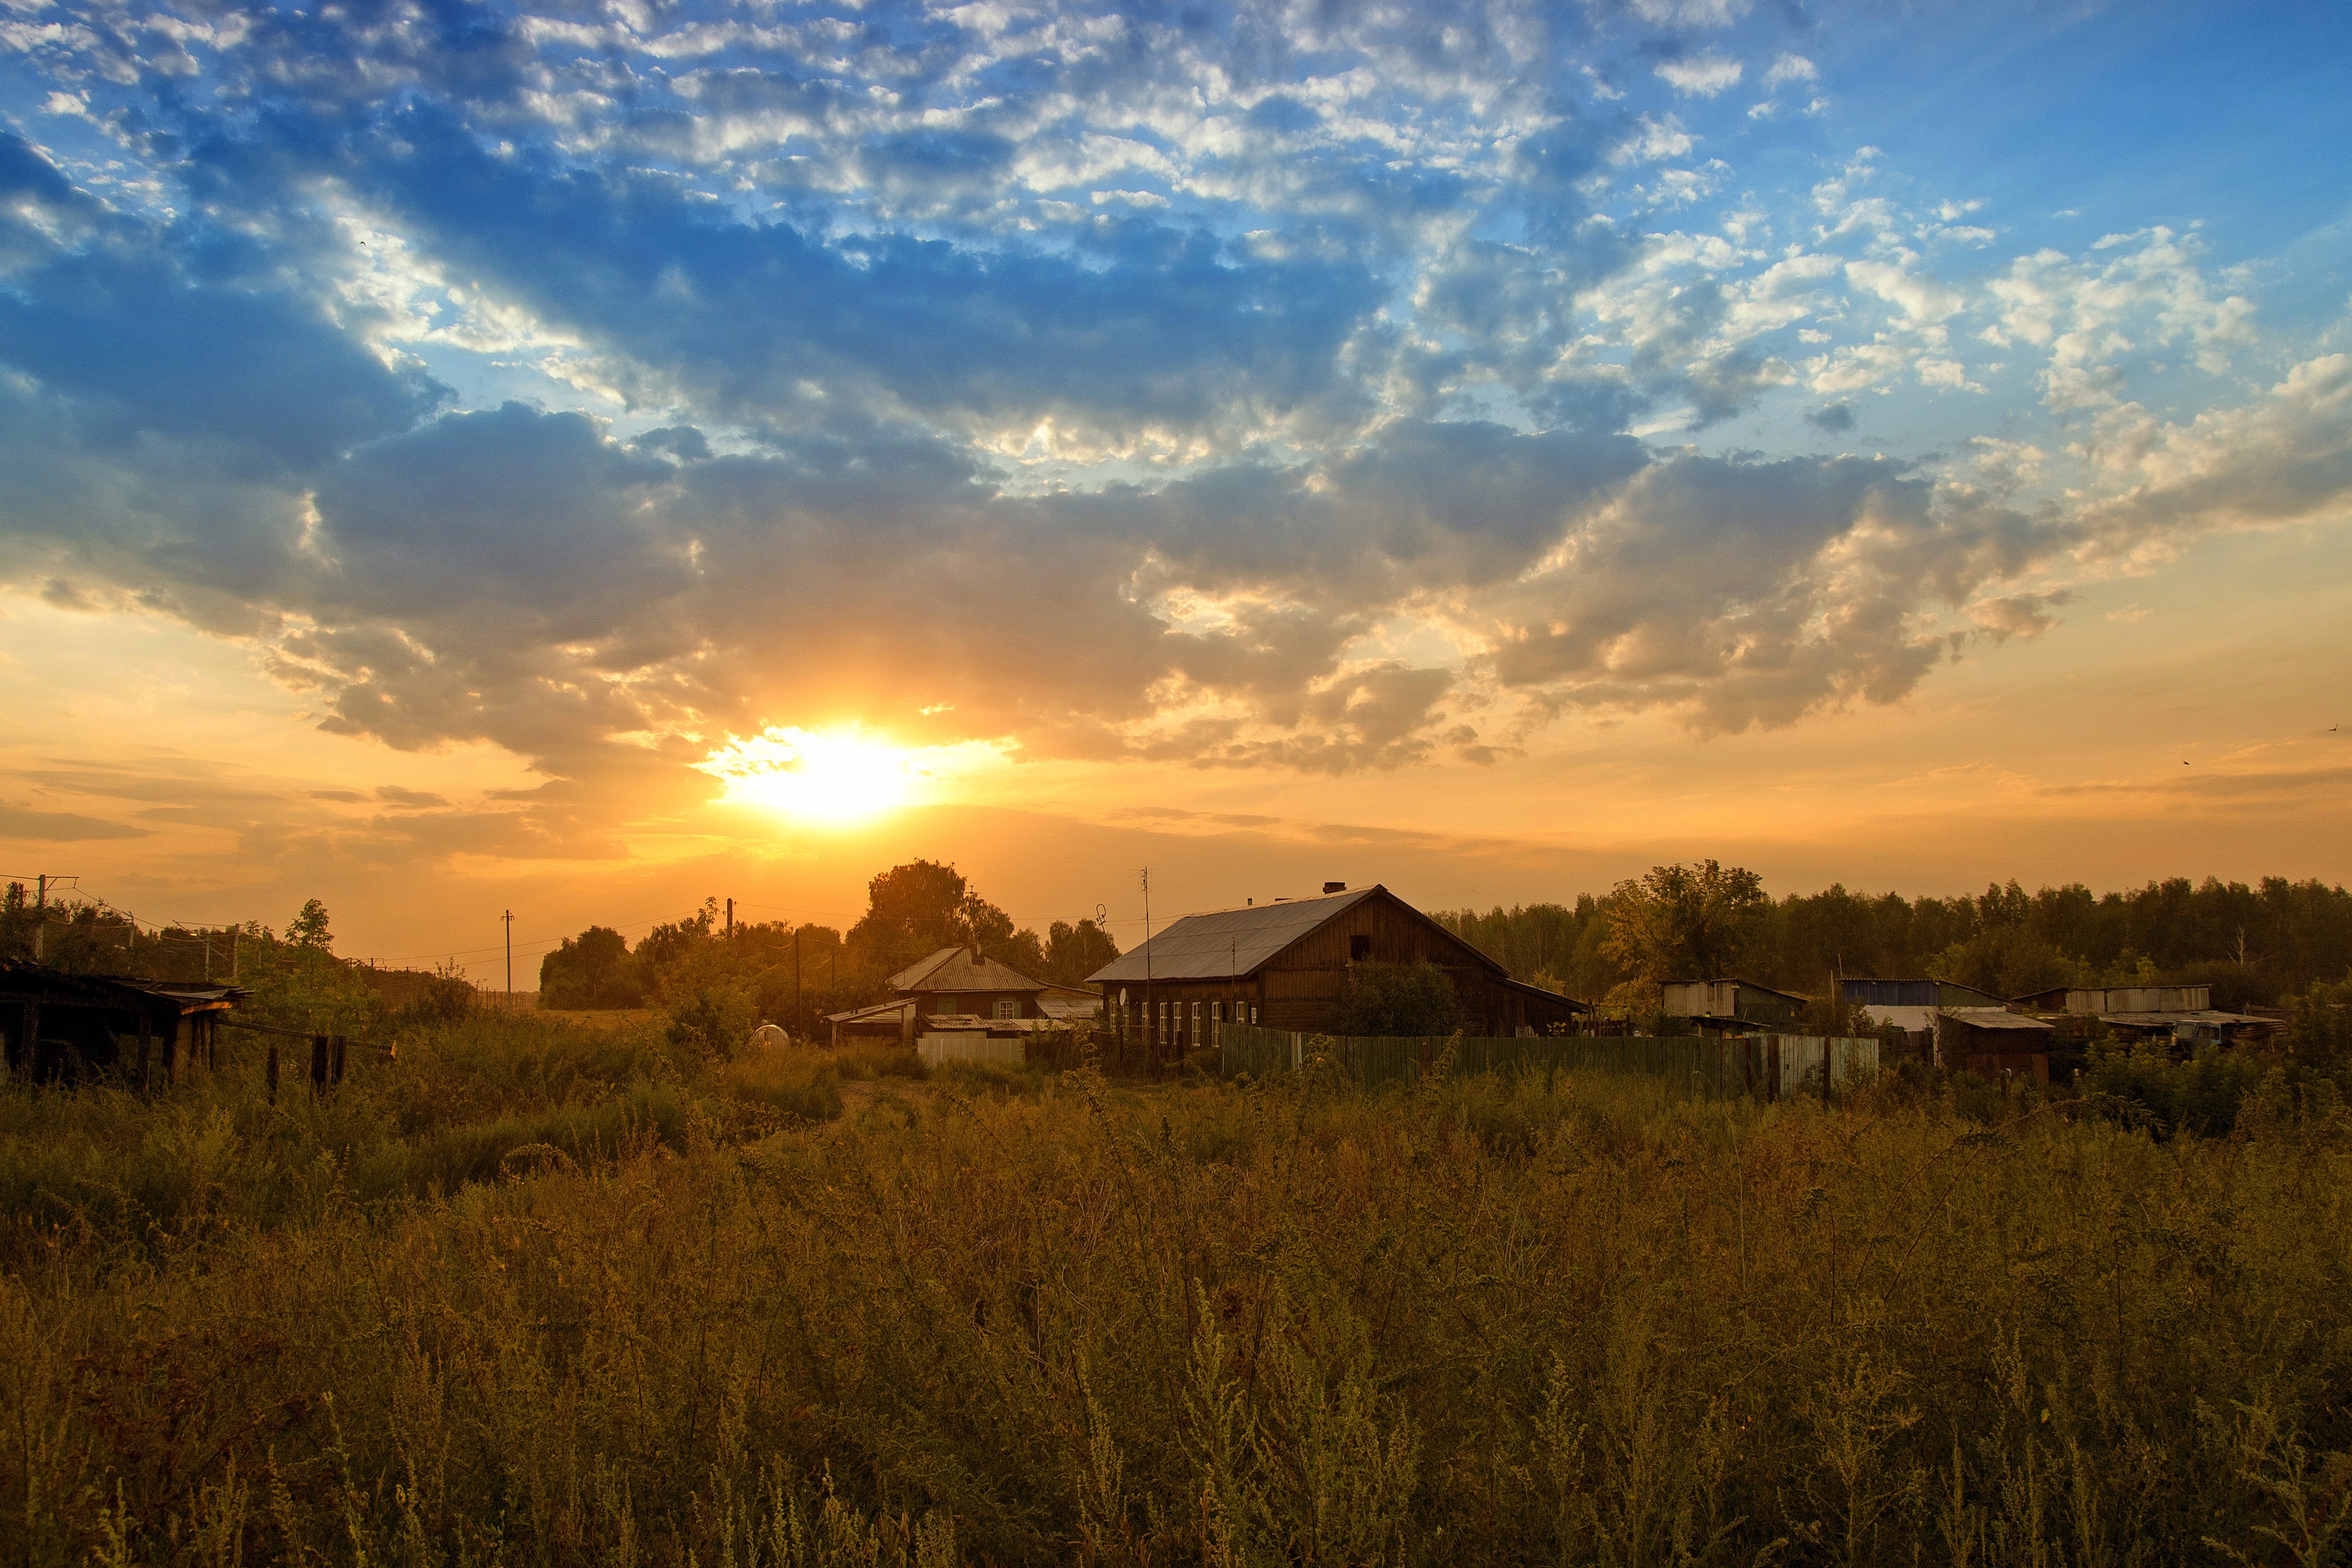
(1021, 1318)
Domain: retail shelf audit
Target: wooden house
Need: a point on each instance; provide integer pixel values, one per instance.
(63, 1028)
(1285, 965)
(961, 984)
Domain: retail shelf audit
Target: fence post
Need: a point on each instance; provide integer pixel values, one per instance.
(318, 1064)
(335, 1047)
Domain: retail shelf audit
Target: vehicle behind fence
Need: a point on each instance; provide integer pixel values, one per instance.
(1763, 1066)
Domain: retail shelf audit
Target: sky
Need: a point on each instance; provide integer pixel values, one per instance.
(571, 459)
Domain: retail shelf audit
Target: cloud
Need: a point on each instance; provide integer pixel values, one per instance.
(1702, 76)
(60, 827)
(1227, 389)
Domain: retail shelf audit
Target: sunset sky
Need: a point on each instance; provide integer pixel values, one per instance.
(578, 457)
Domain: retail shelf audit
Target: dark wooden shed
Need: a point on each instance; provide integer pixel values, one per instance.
(1993, 1043)
(61, 1028)
(1285, 965)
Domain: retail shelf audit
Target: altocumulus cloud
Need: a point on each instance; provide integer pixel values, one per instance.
(1099, 382)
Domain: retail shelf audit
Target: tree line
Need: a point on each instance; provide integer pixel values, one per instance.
(2256, 944)
(719, 983)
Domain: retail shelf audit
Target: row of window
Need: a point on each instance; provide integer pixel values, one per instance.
(1170, 1020)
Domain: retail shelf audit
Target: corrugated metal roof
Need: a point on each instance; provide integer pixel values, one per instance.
(873, 1010)
(961, 970)
(1226, 942)
(1736, 980)
(1995, 1018)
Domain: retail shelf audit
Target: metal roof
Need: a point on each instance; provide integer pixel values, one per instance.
(115, 990)
(1994, 1018)
(1227, 943)
(961, 969)
(1736, 980)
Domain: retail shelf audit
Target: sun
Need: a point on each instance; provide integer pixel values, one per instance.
(833, 777)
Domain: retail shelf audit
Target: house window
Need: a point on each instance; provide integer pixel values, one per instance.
(943, 1006)
(1008, 1008)
(1196, 1023)
(1253, 1012)
(1359, 948)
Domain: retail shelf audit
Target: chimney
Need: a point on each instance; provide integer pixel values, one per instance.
(1335, 887)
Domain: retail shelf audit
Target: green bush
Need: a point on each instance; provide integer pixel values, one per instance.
(2146, 1088)
(1395, 999)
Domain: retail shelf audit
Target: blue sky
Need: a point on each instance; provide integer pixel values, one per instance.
(1335, 389)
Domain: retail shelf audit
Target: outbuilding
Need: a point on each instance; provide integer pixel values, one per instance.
(61, 1028)
(1993, 1043)
(1730, 1002)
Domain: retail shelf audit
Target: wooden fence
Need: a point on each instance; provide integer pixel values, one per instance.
(1762, 1066)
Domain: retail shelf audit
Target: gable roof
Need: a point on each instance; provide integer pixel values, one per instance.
(961, 969)
(1228, 943)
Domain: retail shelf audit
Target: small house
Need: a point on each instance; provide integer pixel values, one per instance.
(1730, 1002)
(1285, 965)
(1993, 1043)
(61, 1028)
(955, 988)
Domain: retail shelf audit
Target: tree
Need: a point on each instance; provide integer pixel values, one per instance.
(1395, 999)
(1073, 952)
(1685, 922)
(307, 929)
(920, 908)
(591, 970)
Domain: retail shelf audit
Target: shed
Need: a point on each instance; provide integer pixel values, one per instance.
(61, 1027)
(891, 1022)
(1993, 1042)
(1908, 1004)
(2096, 1001)
(1069, 1004)
(2190, 1027)
(1285, 965)
(1731, 1000)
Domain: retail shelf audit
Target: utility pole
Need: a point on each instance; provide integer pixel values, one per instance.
(800, 995)
(40, 920)
(1150, 1010)
(509, 920)
(730, 920)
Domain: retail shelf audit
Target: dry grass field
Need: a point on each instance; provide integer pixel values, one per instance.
(547, 1293)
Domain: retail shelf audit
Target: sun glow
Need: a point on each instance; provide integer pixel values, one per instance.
(836, 776)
